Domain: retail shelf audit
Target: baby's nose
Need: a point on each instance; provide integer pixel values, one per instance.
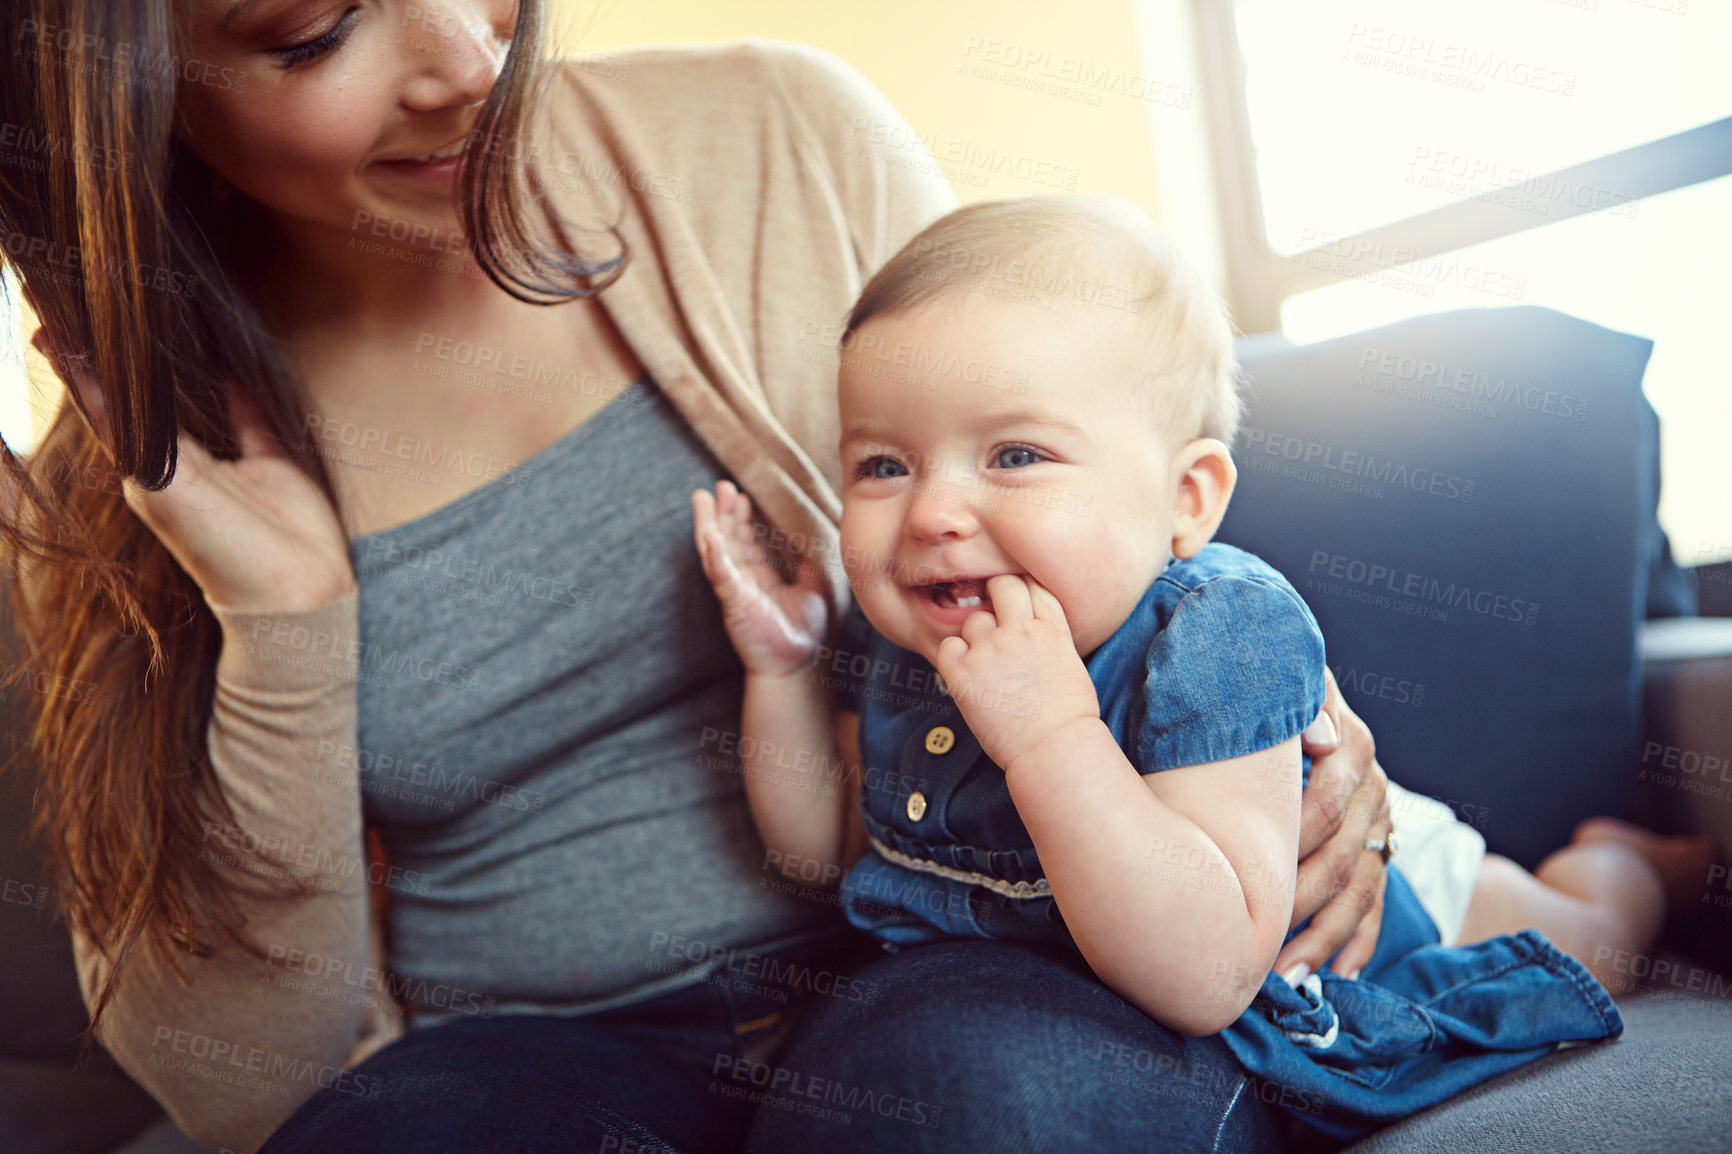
(938, 511)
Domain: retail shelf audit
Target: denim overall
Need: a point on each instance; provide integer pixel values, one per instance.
(1220, 658)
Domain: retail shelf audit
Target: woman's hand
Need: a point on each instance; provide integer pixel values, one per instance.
(256, 533)
(1340, 882)
(776, 628)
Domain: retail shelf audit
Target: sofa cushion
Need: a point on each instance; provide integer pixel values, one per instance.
(44, 1011)
(1662, 1087)
(49, 1108)
(1461, 499)
(1672, 588)
(49, 1102)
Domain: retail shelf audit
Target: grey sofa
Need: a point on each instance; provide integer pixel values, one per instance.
(1665, 1085)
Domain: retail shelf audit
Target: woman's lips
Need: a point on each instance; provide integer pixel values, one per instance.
(433, 173)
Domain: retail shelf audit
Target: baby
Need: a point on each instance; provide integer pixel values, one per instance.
(1067, 716)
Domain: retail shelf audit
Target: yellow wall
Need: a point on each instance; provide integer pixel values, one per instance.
(1091, 135)
(41, 387)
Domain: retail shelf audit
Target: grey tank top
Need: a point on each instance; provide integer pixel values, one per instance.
(545, 678)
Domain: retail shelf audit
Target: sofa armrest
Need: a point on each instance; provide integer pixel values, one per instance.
(1684, 779)
(1685, 775)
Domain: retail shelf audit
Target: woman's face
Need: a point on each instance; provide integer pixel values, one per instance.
(324, 111)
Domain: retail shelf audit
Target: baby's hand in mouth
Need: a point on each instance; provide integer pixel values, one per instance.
(1015, 672)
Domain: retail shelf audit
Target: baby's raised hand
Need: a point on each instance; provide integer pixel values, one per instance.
(775, 627)
(1015, 672)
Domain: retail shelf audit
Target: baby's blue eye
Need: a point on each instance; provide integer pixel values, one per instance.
(870, 468)
(1030, 453)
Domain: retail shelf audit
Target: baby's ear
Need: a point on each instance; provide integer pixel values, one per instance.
(1205, 478)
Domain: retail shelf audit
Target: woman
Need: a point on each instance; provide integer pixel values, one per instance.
(346, 527)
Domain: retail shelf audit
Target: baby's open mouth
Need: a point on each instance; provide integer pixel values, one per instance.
(958, 594)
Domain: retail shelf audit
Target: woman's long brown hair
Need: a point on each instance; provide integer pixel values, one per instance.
(130, 260)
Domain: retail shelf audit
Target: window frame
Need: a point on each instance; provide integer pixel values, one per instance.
(1259, 279)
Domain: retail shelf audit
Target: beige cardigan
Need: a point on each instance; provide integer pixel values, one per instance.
(754, 207)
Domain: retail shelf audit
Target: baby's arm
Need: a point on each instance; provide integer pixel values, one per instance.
(802, 775)
(1177, 886)
(802, 794)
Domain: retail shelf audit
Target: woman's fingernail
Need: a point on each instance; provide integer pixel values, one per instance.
(1353, 974)
(1296, 973)
(1320, 732)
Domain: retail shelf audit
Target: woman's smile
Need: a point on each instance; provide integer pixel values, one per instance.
(439, 172)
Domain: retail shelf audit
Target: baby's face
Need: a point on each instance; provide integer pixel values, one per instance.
(982, 437)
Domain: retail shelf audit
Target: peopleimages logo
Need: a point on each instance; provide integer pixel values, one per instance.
(1470, 383)
(1357, 463)
(1382, 584)
(138, 65)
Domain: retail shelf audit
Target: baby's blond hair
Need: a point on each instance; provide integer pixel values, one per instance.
(1099, 252)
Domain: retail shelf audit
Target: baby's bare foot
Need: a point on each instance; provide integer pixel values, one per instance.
(1681, 862)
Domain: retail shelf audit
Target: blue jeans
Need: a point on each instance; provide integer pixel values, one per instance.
(990, 1046)
(650, 1078)
(956, 1046)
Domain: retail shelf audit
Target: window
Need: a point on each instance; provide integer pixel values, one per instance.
(1377, 159)
(15, 424)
